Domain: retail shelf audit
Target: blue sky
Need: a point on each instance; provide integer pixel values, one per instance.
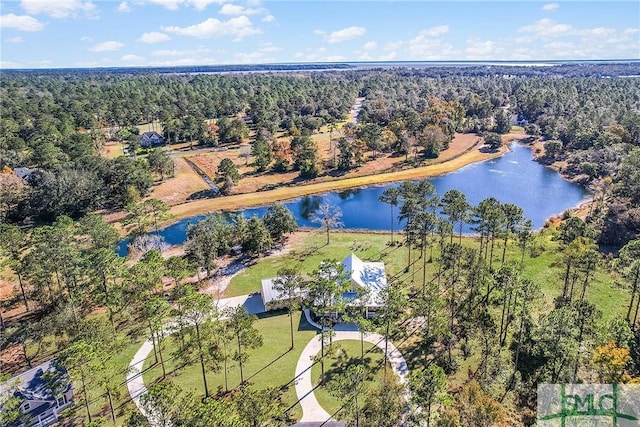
(95, 33)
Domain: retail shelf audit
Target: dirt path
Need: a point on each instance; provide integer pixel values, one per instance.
(231, 267)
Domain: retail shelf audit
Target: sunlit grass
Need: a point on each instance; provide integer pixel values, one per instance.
(272, 365)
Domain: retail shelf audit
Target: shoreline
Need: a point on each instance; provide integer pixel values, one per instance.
(248, 200)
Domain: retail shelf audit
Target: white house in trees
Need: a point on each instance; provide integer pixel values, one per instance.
(44, 390)
(367, 280)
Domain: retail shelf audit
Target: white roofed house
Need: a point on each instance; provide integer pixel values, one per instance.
(368, 279)
(273, 298)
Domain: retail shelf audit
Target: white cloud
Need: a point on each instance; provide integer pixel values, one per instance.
(268, 47)
(10, 64)
(107, 46)
(202, 4)
(392, 45)
(630, 31)
(550, 6)
(132, 58)
(311, 54)
(596, 32)
(370, 46)
(427, 45)
(16, 39)
(123, 7)
(169, 4)
(175, 4)
(239, 27)
(477, 49)
(250, 57)
(335, 58)
(236, 9)
(342, 35)
(183, 61)
(20, 22)
(154, 37)
(167, 52)
(269, 18)
(388, 57)
(58, 8)
(86, 39)
(435, 31)
(546, 28)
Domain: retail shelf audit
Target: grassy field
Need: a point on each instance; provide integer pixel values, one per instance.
(272, 365)
(545, 269)
(256, 189)
(344, 354)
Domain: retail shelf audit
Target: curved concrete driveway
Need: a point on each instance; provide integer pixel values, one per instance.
(312, 412)
(135, 381)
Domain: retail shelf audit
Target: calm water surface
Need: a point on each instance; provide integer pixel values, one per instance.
(513, 178)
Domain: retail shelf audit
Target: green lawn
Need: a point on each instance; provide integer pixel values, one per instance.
(312, 249)
(545, 269)
(272, 365)
(346, 353)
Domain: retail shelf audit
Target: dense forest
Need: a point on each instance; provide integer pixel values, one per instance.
(60, 121)
(479, 299)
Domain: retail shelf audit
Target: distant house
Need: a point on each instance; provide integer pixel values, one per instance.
(24, 172)
(44, 390)
(151, 139)
(272, 298)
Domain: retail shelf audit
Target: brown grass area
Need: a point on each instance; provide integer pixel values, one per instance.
(112, 149)
(463, 151)
(178, 189)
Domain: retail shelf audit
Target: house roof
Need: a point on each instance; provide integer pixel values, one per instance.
(269, 294)
(34, 384)
(24, 172)
(151, 134)
(370, 276)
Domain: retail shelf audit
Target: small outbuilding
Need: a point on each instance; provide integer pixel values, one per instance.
(272, 298)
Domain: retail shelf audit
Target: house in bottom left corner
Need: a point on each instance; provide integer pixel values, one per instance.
(43, 391)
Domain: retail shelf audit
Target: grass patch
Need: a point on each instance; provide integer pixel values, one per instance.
(346, 353)
(272, 365)
(312, 249)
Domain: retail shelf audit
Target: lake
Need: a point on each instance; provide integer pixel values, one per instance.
(513, 178)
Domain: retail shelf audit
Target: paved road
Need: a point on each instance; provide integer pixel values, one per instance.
(312, 412)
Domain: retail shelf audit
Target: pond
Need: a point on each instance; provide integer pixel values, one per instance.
(513, 178)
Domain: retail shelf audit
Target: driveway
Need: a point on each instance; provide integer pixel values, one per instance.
(135, 381)
(312, 412)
